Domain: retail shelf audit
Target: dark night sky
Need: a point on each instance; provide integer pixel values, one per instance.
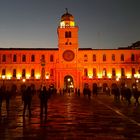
(102, 23)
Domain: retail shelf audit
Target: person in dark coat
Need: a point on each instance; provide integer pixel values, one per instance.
(43, 96)
(116, 93)
(78, 92)
(128, 95)
(27, 99)
(1, 99)
(136, 95)
(7, 98)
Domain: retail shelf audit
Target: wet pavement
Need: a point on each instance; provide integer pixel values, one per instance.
(72, 118)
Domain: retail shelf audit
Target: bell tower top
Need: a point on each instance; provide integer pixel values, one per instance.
(67, 20)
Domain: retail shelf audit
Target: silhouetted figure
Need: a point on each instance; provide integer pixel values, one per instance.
(108, 91)
(95, 90)
(27, 99)
(60, 91)
(1, 98)
(78, 92)
(44, 96)
(136, 95)
(116, 93)
(7, 98)
(122, 92)
(87, 91)
(128, 95)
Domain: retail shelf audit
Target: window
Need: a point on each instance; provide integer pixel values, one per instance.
(85, 58)
(14, 58)
(23, 73)
(43, 60)
(85, 72)
(122, 72)
(104, 72)
(104, 57)
(94, 72)
(122, 57)
(132, 57)
(133, 72)
(94, 57)
(113, 57)
(51, 58)
(3, 71)
(32, 58)
(4, 58)
(51, 72)
(14, 73)
(113, 72)
(68, 34)
(32, 73)
(23, 58)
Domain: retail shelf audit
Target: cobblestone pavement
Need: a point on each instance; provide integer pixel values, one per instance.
(72, 118)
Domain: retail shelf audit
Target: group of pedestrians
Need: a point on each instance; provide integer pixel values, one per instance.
(27, 94)
(44, 95)
(5, 95)
(126, 94)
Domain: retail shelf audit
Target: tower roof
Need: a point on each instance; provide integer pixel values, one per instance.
(67, 16)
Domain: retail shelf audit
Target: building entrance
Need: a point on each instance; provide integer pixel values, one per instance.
(68, 83)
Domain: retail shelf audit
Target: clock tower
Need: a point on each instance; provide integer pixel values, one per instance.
(67, 71)
(67, 38)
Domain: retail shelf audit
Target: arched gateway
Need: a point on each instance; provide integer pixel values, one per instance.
(68, 83)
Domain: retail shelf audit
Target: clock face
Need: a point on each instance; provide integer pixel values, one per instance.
(68, 55)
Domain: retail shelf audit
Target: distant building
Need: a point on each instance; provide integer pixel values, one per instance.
(69, 66)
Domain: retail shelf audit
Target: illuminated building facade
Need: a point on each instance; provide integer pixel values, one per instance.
(69, 66)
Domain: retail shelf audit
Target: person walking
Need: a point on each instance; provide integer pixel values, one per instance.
(1, 98)
(128, 95)
(27, 99)
(136, 95)
(43, 96)
(78, 92)
(7, 98)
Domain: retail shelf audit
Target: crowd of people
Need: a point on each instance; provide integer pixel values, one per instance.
(26, 93)
(123, 93)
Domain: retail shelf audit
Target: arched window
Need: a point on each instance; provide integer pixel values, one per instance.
(14, 58)
(122, 57)
(85, 58)
(4, 58)
(69, 34)
(32, 73)
(23, 73)
(104, 57)
(85, 72)
(23, 58)
(132, 57)
(32, 58)
(3, 71)
(113, 57)
(104, 72)
(122, 72)
(133, 72)
(14, 73)
(113, 72)
(94, 57)
(51, 58)
(94, 72)
(66, 34)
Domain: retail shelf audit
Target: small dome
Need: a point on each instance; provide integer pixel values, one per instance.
(67, 17)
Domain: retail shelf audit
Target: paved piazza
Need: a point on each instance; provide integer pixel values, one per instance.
(72, 118)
